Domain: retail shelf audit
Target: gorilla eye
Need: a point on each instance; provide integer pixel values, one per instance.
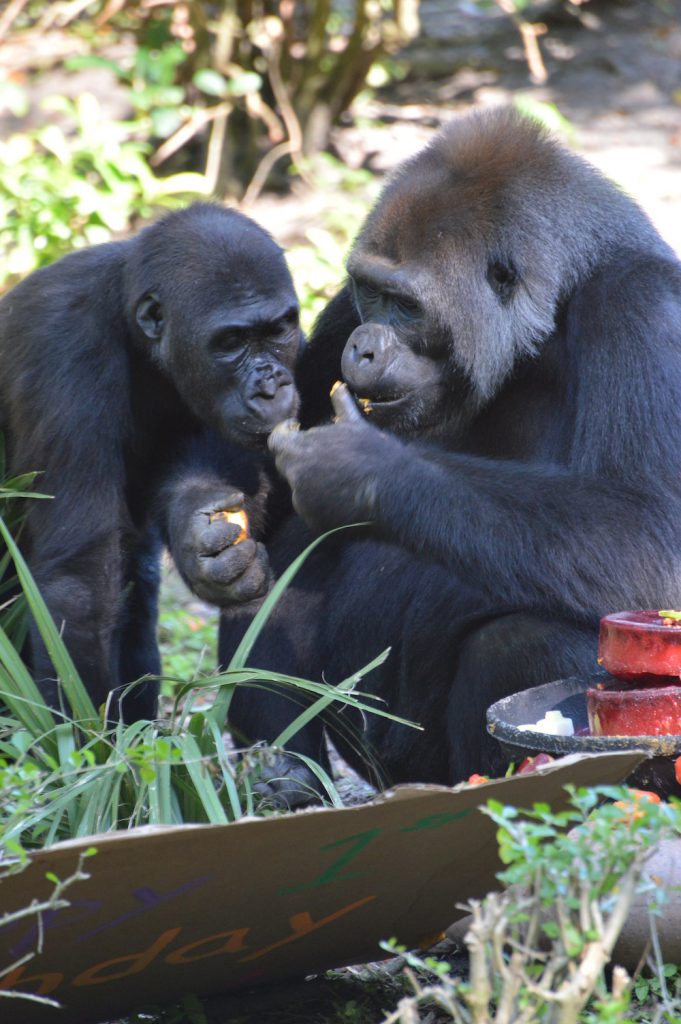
(364, 294)
(228, 346)
(407, 309)
(502, 277)
(286, 324)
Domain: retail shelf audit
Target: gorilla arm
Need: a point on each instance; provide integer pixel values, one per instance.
(530, 534)
(589, 526)
(208, 549)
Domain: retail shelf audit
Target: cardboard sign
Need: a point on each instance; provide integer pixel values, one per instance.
(208, 909)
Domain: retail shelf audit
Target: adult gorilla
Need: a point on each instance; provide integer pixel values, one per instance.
(515, 322)
(110, 360)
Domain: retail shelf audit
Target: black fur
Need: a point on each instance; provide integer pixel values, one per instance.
(527, 317)
(111, 360)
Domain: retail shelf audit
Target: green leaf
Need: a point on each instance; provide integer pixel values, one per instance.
(211, 82)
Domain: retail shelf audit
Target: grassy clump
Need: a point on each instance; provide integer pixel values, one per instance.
(85, 775)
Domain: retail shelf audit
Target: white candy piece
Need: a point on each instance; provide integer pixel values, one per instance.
(554, 723)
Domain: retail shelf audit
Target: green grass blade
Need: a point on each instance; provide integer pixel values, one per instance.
(79, 699)
(231, 790)
(335, 694)
(323, 777)
(238, 660)
(201, 779)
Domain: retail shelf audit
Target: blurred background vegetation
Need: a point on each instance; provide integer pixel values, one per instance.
(216, 100)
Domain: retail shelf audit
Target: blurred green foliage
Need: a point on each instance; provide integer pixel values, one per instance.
(74, 183)
(219, 93)
(188, 641)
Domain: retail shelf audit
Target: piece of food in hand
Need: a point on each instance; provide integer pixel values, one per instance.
(236, 516)
(641, 646)
(620, 710)
(344, 405)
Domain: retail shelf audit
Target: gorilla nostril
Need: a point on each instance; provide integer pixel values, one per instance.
(363, 355)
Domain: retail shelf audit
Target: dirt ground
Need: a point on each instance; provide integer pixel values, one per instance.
(614, 74)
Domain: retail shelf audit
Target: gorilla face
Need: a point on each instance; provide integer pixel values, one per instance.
(460, 270)
(226, 331)
(394, 362)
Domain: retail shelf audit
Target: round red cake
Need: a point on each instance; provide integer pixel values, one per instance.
(620, 710)
(642, 647)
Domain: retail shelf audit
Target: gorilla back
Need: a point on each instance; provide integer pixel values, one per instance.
(513, 322)
(110, 360)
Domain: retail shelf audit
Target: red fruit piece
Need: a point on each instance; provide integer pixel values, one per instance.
(530, 764)
(476, 780)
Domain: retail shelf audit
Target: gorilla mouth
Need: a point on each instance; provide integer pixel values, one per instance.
(369, 402)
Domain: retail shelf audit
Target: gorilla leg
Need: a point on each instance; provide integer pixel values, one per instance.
(503, 656)
(136, 648)
(83, 599)
(262, 711)
(452, 654)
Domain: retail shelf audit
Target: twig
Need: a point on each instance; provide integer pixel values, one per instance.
(179, 138)
(528, 34)
(13, 11)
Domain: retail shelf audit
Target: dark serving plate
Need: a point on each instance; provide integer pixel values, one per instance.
(569, 696)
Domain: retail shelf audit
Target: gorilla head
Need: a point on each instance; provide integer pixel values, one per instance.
(461, 268)
(225, 329)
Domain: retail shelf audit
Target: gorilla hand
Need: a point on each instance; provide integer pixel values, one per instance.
(213, 553)
(333, 470)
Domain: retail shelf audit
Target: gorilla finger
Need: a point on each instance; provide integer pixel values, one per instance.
(212, 539)
(227, 501)
(344, 405)
(253, 583)
(282, 436)
(227, 566)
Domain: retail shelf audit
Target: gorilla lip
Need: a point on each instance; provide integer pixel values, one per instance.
(369, 403)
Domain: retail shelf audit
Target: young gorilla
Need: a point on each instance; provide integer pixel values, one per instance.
(110, 360)
(515, 322)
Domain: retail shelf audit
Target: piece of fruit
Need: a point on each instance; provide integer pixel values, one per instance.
(641, 646)
(530, 764)
(632, 806)
(236, 516)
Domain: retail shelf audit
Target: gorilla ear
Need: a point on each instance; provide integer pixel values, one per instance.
(149, 316)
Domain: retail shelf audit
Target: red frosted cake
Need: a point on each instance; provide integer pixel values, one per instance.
(641, 648)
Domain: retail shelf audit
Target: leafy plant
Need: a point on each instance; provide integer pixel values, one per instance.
(187, 642)
(317, 266)
(252, 82)
(55, 901)
(61, 190)
(539, 948)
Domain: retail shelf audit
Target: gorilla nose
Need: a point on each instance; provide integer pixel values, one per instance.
(267, 381)
(365, 354)
(271, 395)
